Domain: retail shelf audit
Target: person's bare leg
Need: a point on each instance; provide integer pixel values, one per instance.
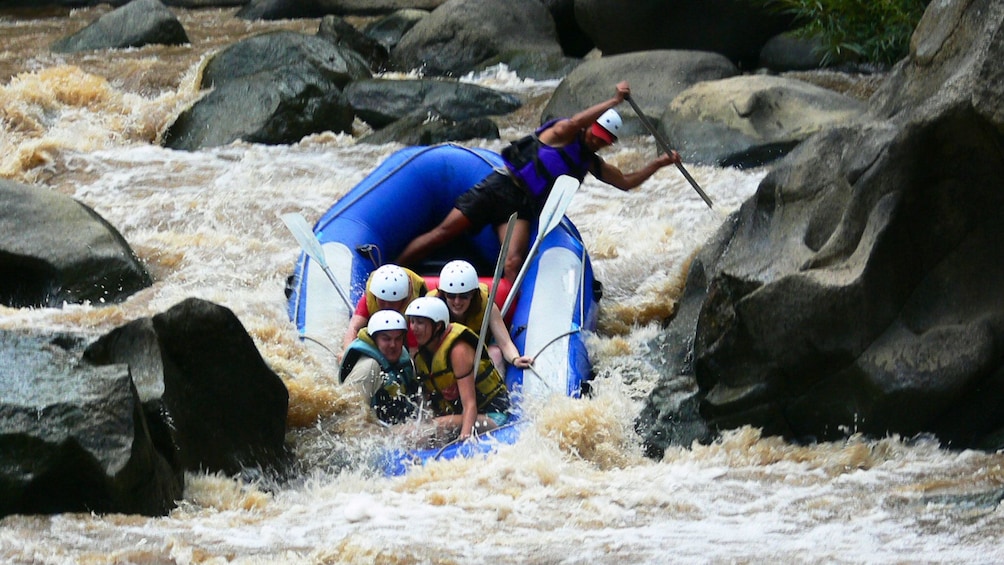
(518, 247)
(452, 226)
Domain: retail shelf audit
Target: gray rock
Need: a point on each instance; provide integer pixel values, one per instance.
(74, 437)
(751, 120)
(284, 50)
(55, 250)
(389, 30)
(381, 102)
(656, 77)
(344, 35)
(428, 127)
(858, 291)
(290, 9)
(281, 10)
(197, 368)
(574, 41)
(28, 6)
(138, 23)
(272, 107)
(272, 88)
(460, 35)
(786, 52)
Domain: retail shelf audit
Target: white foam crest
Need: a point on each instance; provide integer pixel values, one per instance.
(500, 77)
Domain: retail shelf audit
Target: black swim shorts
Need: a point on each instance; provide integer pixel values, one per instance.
(494, 199)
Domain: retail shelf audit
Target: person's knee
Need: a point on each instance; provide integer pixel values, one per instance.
(513, 263)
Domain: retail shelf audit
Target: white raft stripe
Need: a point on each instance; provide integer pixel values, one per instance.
(552, 313)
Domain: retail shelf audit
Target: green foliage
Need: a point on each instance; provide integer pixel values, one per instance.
(875, 31)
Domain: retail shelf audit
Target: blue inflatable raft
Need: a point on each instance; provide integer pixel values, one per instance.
(408, 194)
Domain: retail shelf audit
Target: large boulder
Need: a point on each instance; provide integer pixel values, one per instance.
(737, 29)
(389, 30)
(858, 291)
(74, 437)
(272, 107)
(656, 78)
(289, 50)
(574, 41)
(54, 249)
(380, 102)
(195, 365)
(289, 9)
(29, 7)
(429, 127)
(345, 35)
(751, 120)
(272, 88)
(138, 23)
(461, 35)
(788, 52)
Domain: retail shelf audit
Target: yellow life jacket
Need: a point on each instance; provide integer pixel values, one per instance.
(416, 282)
(475, 314)
(440, 382)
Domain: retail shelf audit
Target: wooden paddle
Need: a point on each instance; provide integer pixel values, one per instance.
(665, 147)
(550, 216)
(499, 266)
(312, 247)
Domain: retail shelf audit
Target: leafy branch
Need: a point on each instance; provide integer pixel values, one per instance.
(875, 31)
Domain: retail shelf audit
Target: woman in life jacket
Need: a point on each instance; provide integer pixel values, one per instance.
(377, 365)
(559, 147)
(467, 397)
(465, 296)
(389, 287)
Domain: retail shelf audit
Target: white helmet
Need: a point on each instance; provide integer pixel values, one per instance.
(386, 320)
(610, 123)
(429, 307)
(390, 283)
(458, 277)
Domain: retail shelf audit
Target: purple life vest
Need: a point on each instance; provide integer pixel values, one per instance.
(538, 165)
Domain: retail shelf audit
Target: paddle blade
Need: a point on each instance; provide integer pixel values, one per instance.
(550, 216)
(557, 202)
(304, 235)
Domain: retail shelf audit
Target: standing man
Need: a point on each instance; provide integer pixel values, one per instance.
(559, 147)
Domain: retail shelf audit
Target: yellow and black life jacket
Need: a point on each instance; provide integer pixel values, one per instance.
(417, 285)
(440, 382)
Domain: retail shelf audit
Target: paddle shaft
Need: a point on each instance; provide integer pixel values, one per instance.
(665, 147)
(499, 265)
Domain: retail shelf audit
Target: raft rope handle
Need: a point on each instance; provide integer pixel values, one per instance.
(367, 250)
(319, 342)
